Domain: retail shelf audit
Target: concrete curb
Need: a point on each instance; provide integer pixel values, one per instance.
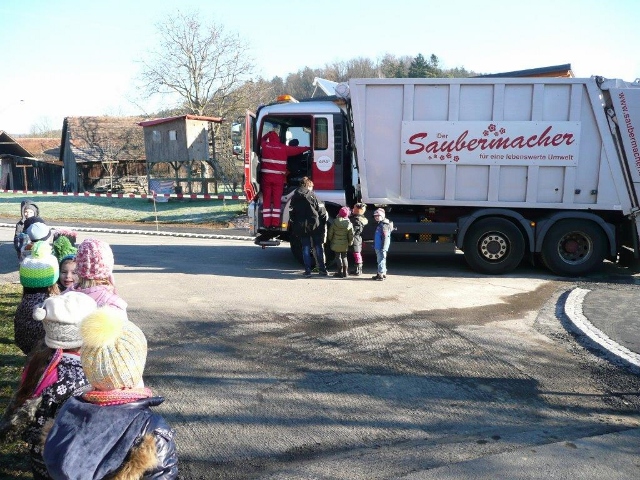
(614, 351)
(148, 232)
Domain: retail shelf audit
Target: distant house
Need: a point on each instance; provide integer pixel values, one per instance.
(101, 152)
(29, 163)
(182, 142)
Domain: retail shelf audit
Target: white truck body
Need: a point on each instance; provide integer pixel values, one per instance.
(470, 159)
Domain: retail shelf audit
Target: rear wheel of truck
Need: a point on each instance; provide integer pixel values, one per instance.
(493, 246)
(574, 247)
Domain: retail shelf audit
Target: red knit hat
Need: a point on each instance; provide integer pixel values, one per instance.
(344, 212)
(94, 259)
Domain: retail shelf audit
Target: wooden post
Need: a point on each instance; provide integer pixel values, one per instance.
(24, 174)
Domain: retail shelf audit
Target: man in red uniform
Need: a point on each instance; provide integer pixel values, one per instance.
(273, 175)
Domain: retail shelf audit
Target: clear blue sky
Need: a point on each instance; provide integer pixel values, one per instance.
(77, 57)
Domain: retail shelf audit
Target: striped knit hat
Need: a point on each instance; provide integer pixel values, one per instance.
(40, 268)
(94, 260)
(114, 350)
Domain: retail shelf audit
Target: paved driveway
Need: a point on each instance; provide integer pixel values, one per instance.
(268, 374)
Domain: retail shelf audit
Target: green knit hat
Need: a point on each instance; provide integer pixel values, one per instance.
(39, 269)
(63, 249)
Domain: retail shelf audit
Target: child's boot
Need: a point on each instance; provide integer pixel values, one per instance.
(358, 271)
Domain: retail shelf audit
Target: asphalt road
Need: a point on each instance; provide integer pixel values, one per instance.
(267, 374)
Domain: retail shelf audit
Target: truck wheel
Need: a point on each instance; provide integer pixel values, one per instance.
(574, 247)
(493, 246)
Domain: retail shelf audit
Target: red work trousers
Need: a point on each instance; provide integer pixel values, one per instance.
(272, 189)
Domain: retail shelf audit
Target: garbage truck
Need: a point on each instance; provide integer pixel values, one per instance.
(501, 169)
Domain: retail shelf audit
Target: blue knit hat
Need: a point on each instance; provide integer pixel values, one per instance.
(40, 268)
(36, 229)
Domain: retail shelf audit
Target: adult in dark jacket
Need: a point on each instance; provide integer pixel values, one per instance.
(273, 173)
(111, 431)
(28, 209)
(308, 219)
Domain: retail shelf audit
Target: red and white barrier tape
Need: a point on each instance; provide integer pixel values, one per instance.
(129, 195)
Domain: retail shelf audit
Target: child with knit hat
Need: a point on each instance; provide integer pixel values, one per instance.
(28, 209)
(65, 252)
(111, 431)
(52, 374)
(340, 238)
(359, 221)
(38, 275)
(381, 242)
(94, 267)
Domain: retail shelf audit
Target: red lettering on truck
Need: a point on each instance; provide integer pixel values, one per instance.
(545, 139)
(412, 141)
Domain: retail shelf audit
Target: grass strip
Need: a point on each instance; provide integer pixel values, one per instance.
(14, 456)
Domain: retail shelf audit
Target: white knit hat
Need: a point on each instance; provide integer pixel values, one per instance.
(61, 316)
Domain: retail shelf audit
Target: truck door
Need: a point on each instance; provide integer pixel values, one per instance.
(251, 180)
(325, 172)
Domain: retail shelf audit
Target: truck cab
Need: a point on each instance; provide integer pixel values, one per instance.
(321, 125)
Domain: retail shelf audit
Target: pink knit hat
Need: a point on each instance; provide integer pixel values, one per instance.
(94, 260)
(344, 212)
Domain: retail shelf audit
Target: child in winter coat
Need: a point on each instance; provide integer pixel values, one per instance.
(94, 266)
(359, 221)
(28, 209)
(381, 241)
(111, 431)
(340, 237)
(38, 275)
(65, 252)
(52, 374)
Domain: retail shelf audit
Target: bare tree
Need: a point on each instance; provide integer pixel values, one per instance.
(43, 128)
(201, 65)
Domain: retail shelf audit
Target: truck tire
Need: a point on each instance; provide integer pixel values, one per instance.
(493, 246)
(574, 247)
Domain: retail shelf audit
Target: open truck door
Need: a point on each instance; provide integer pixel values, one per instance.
(251, 179)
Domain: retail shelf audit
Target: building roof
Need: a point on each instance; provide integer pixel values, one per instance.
(95, 139)
(158, 121)
(47, 149)
(563, 70)
(10, 146)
